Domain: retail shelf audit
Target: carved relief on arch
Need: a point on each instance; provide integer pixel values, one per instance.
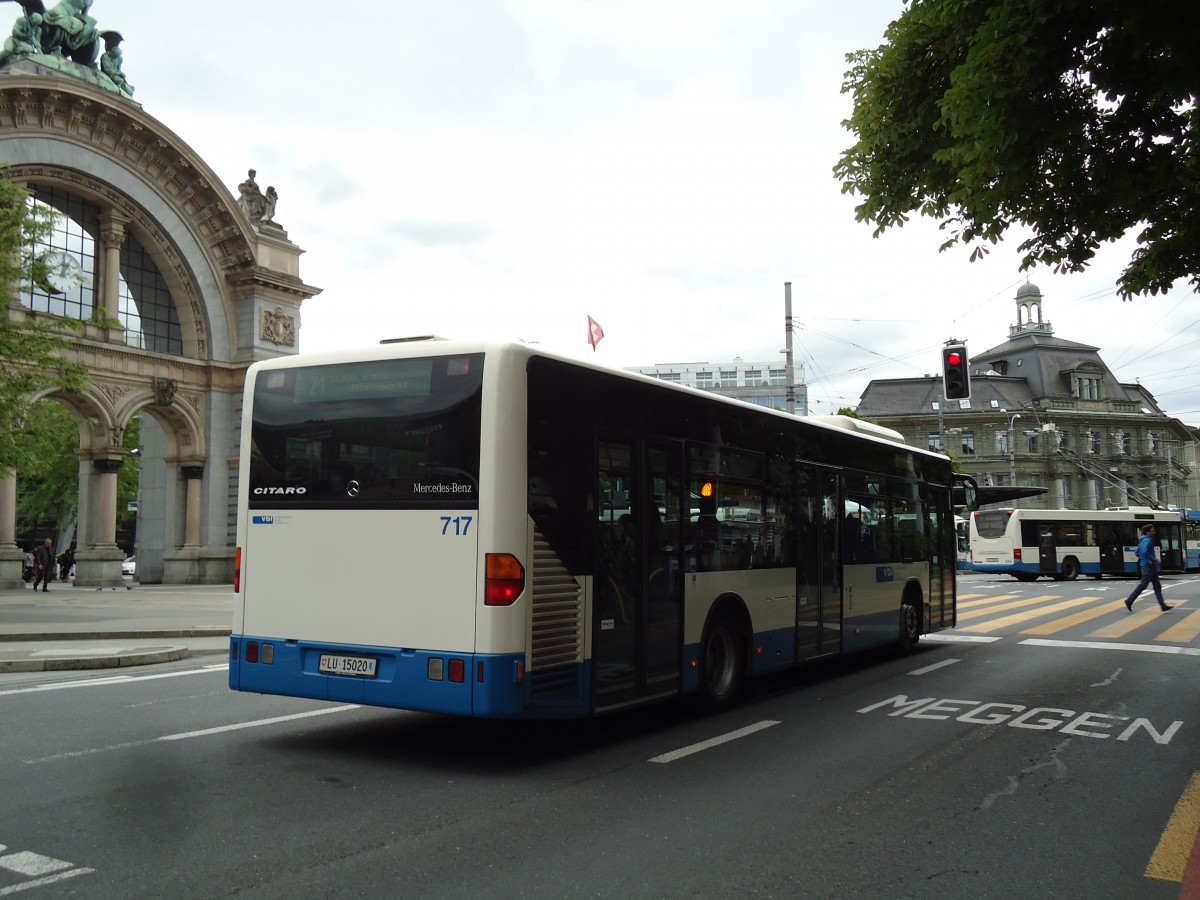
(278, 327)
(114, 392)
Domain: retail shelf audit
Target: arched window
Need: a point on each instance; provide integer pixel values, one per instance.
(72, 289)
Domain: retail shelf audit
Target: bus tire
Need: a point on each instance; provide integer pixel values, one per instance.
(1070, 569)
(722, 664)
(910, 628)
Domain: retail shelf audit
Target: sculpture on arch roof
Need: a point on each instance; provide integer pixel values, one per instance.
(68, 38)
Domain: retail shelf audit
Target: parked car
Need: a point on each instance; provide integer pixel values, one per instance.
(129, 567)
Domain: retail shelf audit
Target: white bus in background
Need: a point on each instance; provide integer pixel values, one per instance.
(486, 529)
(1066, 543)
(962, 537)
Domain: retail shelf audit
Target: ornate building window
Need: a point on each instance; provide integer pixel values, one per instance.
(968, 443)
(145, 308)
(1087, 387)
(71, 290)
(68, 290)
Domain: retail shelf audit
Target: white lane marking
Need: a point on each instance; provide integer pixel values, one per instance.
(959, 638)
(112, 679)
(42, 882)
(713, 742)
(30, 864)
(1113, 645)
(257, 723)
(934, 667)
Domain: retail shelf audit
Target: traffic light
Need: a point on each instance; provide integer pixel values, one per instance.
(956, 377)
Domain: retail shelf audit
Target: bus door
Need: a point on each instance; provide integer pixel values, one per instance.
(1110, 536)
(818, 563)
(637, 610)
(1171, 546)
(1047, 550)
(943, 560)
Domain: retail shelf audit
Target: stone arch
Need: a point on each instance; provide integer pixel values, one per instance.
(233, 282)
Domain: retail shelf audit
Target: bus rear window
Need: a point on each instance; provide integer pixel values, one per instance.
(992, 523)
(381, 434)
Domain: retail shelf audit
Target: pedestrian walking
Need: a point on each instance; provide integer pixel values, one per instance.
(44, 558)
(1148, 568)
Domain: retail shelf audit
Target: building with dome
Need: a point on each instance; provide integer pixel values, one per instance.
(1046, 413)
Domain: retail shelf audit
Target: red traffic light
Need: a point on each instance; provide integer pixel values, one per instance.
(956, 378)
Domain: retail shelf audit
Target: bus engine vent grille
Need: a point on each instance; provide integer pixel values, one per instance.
(557, 638)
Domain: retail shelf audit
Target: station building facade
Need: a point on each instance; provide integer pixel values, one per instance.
(1047, 412)
(181, 286)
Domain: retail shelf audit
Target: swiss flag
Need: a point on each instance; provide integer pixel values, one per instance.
(595, 332)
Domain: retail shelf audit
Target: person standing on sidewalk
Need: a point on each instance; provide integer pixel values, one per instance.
(1148, 568)
(43, 557)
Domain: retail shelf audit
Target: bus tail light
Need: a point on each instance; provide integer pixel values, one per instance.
(1016, 554)
(457, 671)
(504, 579)
(237, 571)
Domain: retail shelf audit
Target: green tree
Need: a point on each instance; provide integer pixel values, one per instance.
(31, 351)
(50, 476)
(1075, 118)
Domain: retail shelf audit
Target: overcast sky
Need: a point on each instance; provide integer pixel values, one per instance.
(505, 168)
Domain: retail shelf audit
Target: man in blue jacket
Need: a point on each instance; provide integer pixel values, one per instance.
(1148, 567)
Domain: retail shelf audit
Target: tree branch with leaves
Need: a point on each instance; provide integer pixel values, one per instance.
(1074, 118)
(33, 348)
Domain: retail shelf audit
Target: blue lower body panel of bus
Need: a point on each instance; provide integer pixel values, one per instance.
(466, 684)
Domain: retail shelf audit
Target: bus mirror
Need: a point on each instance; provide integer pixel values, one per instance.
(966, 492)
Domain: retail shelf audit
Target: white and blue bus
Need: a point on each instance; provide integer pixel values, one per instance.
(962, 532)
(1066, 543)
(1191, 538)
(486, 529)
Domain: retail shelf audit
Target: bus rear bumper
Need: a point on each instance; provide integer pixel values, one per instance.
(465, 684)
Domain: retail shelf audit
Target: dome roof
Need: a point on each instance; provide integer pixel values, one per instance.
(1028, 290)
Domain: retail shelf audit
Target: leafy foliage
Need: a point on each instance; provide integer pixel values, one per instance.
(1075, 118)
(49, 484)
(31, 351)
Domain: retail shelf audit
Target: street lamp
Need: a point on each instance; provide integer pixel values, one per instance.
(1012, 454)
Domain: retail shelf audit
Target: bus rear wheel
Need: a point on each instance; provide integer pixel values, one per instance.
(910, 628)
(722, 665)
(1070, 569)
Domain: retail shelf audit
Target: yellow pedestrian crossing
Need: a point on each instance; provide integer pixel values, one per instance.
(1069, 614)
(976, 611)
(1018, 619)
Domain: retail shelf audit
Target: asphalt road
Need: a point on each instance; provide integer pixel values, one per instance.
(990, 767)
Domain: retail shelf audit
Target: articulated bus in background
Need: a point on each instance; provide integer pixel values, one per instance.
(489, 530)
(1066, 543)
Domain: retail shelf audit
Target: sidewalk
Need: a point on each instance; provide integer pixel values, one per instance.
(85, 628)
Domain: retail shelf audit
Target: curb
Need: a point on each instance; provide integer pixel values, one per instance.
(122, 660)
(201, 631)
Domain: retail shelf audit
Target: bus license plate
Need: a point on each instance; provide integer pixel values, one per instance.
(361, 666)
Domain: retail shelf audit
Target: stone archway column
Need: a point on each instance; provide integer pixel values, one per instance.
(99, 564)
(12, 557)
(191, 527)
(188, 563)
(112, 235)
